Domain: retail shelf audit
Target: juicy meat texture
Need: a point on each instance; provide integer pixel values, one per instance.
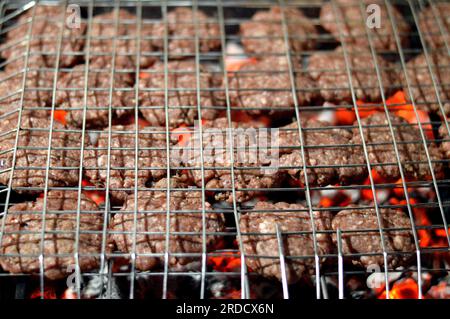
(32, 152)
(329, 153)
(263, 34)
(445, 145)
(264, 87)
(350, 22)
(183, 25)
(107, 39)
(329, 70)
(182, 94)
(22, 235)
(255, 168)
(45, 36)
(381, 151)
(70, 95)
(367, 239)
(151, 156)
(421, 82)
(431, 20)
(185, 217)
(260, 240)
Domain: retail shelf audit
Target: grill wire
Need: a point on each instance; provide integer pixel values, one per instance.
(225, 14)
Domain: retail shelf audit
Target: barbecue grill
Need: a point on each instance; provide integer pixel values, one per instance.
(222, 273)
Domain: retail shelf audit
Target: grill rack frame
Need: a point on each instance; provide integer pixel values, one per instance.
(236, 210)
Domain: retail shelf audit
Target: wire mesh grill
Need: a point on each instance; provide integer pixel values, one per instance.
(227, 16)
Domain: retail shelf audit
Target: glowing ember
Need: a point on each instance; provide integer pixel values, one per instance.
(69, 294)
(60, 116)
(236, 65)
(49, 293)
(226, 262)
(405, 289)
(97, 196)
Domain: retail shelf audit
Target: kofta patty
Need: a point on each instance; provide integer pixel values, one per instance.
(261, 245)
(264, 33)
(22, 236)
(382, 154)
(186, 225)
(434, 24)
(329, 70)
(445, 145)
(70, 95)
(151, 158)
(423, 91)
(365, 238)
(330, 156)
(182, 94)
(351, 22)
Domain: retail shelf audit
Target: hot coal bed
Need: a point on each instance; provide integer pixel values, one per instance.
(355, 207)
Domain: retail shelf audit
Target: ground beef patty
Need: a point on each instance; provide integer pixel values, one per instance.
(351, 23)
(369, 241)
(431, 20)
(445, 145)
(255, 168)
(105, 34)
(264, 87)
(421, 82)
(185, 217)
(329, 153)
(22, 235)
(183, 25)
(329, 70)
(151, 156)
(182, 94)
(259, 245)
(70, 94)
(263, 34)
(32, 152)
(45, 36)
(381, 150)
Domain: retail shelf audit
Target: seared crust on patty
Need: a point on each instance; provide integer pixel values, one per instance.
(445, 145)
(260, 241)
(21, 244)
(431, 20)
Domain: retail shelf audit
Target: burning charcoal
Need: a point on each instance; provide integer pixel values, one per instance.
(151, 158)
(421, 82)
(264, 87)
(45, 36)
(70, 95)
(381, 150)
(445, 145)
(185, 217)
(182, 94)
(32, 152)
(260, 241)
(323, 147)
(183, 28)
(431, 19)
(366, 240)
(263, 34)
(329, 70)
(351, 24)
(105, 35)
(22, 235)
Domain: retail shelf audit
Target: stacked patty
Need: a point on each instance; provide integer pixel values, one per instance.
(149, 210)
(26, 227)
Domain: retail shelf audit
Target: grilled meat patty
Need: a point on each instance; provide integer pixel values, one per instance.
(22, 237)
(151, 156)
(70, 94)
(329, 153)
(381, 149)
(185, 225)
(264, 33)
(264, 87)
(367, 239)
(421, 82)
(329, 70)
(182, 94)
(46, 34)
(260, 241)
(351, 22)
(434, 23)
(32, 152)
(445, 145)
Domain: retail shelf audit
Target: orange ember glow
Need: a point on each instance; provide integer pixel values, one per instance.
(184, 136)
(60, 116)
(405, 289)
(97, 196)
(238, 64)
(49, 293)
(226, 262)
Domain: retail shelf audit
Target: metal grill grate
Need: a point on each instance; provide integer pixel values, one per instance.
(228, 15)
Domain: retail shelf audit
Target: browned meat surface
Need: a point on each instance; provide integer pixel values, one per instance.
(445, 145)
(431, 20)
